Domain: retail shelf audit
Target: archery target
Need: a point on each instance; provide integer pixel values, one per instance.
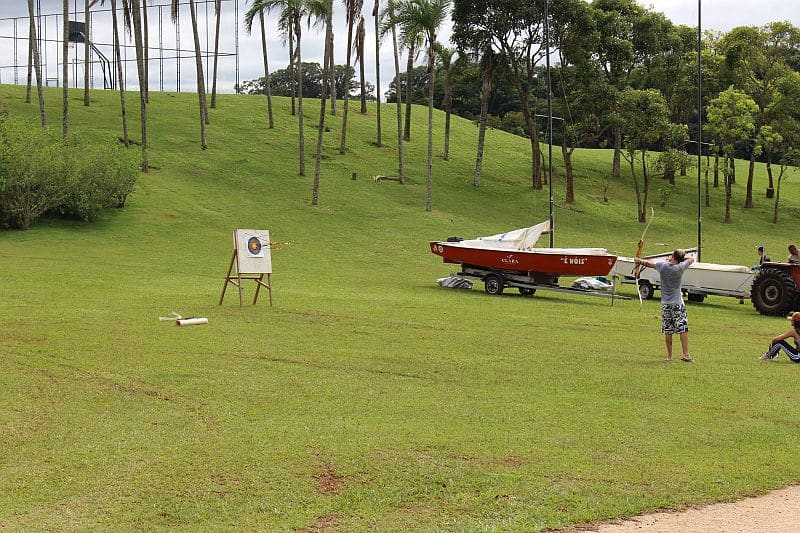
(253, 251)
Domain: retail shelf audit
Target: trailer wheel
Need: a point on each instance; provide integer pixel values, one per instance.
(646, 290)
(696, 297)
(493, 284)
(774, 292)
(525, 291)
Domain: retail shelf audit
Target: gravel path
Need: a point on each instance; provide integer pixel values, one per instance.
(775, 512)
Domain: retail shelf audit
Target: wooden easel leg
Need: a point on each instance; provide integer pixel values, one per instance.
(269, 287)
(259, 282)
(241, 297)
(227, 278)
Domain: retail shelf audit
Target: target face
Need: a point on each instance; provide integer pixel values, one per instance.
(252, 251)
(254, 245)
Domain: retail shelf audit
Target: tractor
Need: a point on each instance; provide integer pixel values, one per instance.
(776, 289)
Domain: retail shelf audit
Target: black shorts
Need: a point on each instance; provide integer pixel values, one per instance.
(674, 319)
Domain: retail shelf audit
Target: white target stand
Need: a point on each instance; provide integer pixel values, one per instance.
(252, 259)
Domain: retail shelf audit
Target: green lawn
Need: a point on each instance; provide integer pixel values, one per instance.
(367, 398)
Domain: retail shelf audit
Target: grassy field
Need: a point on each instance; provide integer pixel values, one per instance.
(367, 398)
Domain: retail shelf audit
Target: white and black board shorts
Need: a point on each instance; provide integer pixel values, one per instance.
(674, 319)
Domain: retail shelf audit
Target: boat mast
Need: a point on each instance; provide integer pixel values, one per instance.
(699, 124)
(549, 116)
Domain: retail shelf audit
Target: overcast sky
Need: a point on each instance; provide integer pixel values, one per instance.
(717, 14)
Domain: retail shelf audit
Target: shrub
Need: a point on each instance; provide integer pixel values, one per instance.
(102, 176)
(31, 173)
(39, 173)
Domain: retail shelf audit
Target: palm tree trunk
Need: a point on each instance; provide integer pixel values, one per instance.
(146, 52)
(137, 34)
(360, 37)
(120, 80)
(566, 152)
(376, 14)
(448, 106)
(65, 70)
(347, 78)
(218, 8)
(86, 53)
(332, 78)
(399, 104)
(292, 73)
(267, 84)
(30, 62)
(37, 66)
(201, 87)
(409, 80)
(325, 70)
(301, 136)
(486, 87)
(431, 74)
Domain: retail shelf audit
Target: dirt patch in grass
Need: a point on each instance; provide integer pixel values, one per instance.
(323, 523)
(328, 480)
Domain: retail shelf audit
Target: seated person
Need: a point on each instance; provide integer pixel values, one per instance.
(779, 343)
(794, 257)
(762, 258)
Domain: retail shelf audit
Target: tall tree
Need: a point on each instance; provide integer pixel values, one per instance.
(65, 69)
(392, 26)
(425, 17)
(120, 78)
(352, 11)
(376, 11)
(198, 62)
(218, 14)
(86, 52)
(644, 120)
(325, 88)
(730, 121)
(488, 62)
(412, 42)
(361, 34)
(248, 21)
(132, 9)
(146, 51)
(34, 47)
(446, 68)
(757, 60)
(514, 29)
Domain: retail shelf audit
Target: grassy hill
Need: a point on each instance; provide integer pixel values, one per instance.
(367, 397)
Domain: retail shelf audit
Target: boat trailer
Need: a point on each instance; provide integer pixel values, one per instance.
(495, 281)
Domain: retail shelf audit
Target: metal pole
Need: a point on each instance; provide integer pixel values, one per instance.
(178, 48)
(236, 38)
(160, 48)
(699, 124)
(549, 116)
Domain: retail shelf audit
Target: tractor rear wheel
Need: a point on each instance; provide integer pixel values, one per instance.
(774, 292)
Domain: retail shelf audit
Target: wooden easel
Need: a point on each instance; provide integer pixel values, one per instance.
(237, 277)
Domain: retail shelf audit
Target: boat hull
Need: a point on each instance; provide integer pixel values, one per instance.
(549, 261)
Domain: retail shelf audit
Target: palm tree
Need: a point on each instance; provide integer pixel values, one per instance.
(412, 42)
(390, 25)
(65, 68)
(146, 52)
(248, 23)
(30, 67)
(376, 14)
(201, 87)
(132, 9)
(424, 17)
(330, 69)
(332, 77)
(218, 13)
(361, 34)
(118, 61)
(34, 48)
(446, 59)
(352, 10)
(86, 53)
(292, 14)
(488, 63)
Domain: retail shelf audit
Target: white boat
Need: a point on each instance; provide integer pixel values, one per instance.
(699, 280)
